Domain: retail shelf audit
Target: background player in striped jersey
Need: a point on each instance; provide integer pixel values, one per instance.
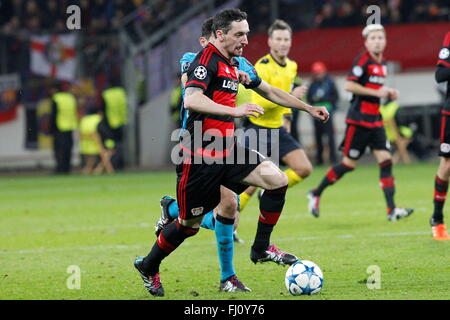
(364, 123)
(443, 173)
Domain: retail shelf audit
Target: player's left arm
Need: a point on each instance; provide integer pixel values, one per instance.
(443, 66)
(287, 100)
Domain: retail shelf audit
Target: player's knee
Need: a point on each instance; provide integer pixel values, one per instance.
(271, 176)
(228, 207)
(280, 179)
(304, 171)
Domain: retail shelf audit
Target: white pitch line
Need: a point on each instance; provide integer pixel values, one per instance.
(200, 243)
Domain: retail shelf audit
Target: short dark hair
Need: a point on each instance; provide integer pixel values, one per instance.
(279, 25)
(223, 20)
(207, 27)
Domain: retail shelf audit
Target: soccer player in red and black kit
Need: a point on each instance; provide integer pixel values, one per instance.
(364, 123)
(443, 173)
(216, 159)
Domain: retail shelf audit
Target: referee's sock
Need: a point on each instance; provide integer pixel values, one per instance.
(333, 175)
(168, 240)
(208, 221)
(293, 177)
(225, 246)
(173, 210)
(243, 200)
(270, 205)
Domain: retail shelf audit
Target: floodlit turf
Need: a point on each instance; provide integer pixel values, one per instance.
(100, 224)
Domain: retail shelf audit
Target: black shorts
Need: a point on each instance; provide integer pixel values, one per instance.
(357, 138)
(198, 185)
(263, 141)
(444, 147)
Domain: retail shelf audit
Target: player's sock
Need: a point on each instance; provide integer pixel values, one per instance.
(209, 221)
(173, 210)
(440, 195)
(225, 246)
(293, 177)
(270, 205)
(387, 184)
(333, 175)
(243, 200)
(168, 240)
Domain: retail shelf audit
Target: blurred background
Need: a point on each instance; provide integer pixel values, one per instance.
(134, 47)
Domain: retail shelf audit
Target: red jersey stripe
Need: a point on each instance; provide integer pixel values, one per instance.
(348, 139)
(370, 108)
(365, 123)
(196, 82)
(203, 56)
(445, 63)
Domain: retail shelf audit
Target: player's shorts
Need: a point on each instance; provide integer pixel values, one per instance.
(198, 185)
(444, 147)
(266, 138)
(357, 138)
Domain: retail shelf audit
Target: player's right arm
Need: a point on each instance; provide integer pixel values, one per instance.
(196, 100)
(200, 76)
(360, 90)
(353, 83)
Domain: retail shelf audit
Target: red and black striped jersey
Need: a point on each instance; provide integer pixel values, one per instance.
(218, 78)
(443, 70)
(365, 110)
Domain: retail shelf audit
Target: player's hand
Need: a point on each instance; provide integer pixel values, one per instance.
(299, 92)
(248, 109)
(320, 113)
(244, 78)
(383, 92)
(393, 94)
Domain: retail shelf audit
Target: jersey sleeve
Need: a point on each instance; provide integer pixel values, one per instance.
(185, 61)
(246, 66)
(200, 74)
(444, 53)
(358, 69)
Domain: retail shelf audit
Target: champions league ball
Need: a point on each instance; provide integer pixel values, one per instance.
(304, 278)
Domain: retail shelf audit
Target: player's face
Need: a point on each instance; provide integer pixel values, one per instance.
(280, 42)
(236, 39)
(376, 42)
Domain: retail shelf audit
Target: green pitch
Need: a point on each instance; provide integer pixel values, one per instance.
(98, 225)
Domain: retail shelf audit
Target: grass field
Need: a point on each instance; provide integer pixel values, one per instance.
(101, 223)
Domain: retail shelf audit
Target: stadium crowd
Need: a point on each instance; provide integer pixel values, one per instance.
(345, 13)
(98, 16)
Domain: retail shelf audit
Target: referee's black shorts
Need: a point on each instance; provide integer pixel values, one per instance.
(267, 139)
(198, 184)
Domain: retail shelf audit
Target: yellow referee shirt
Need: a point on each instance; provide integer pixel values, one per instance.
(280, 76)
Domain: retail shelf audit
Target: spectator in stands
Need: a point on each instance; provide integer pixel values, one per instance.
(322, 92)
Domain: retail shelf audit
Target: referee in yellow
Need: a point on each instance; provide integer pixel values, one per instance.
(278, 70)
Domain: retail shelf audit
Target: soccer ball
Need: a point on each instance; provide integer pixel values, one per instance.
(304, 278)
